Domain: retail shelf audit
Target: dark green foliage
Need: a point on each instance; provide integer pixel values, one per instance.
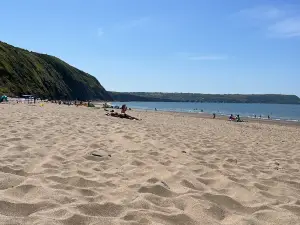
(193, 97)
(24, 72)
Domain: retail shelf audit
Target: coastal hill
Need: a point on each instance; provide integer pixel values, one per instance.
(26, 72)
(194, 97)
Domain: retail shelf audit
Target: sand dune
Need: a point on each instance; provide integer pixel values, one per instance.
(65, 165)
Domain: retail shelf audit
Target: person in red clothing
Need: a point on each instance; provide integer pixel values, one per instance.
(231, 118)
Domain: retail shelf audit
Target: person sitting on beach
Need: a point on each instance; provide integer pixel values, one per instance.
(238, 119)
(123, 109)
(231, 118)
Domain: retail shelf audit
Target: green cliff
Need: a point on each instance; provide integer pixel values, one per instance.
(25, 72)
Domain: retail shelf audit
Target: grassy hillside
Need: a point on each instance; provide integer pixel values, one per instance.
(25, 72)
(194, 97)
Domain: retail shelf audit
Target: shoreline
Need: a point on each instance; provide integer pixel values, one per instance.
(221, 117)
(218, 115)
(206, 115)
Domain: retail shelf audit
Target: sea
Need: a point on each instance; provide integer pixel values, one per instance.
(283, 112)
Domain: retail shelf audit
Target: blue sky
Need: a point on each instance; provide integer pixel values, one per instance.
(205, 46)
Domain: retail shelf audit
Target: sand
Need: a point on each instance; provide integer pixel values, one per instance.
(167, 168)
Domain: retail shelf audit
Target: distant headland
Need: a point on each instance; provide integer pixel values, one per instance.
(197, 97)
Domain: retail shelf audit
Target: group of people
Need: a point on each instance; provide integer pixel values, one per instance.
(261, 117)
(236, 119)
(122, 115)
(231, 118)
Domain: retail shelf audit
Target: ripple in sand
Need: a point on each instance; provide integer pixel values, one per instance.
(108, 209)
(157, 189)
(74, 181)
(190, 185)
(137, 163)
(171, 219)
(7, 169)
(9, 181)
(76, 219)
(12, 139)
(87, 192)
(27, 191)
(292, 208)
(231, 204)
(22, 209)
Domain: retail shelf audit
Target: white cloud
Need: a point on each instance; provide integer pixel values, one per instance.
(139, 22)
(279, 22)
(198, 57)
(125, 25)
(286, 28)
(262, 13)
(208, 57)
(100, 32)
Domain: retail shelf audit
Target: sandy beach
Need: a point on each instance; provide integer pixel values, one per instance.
(67, 165)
